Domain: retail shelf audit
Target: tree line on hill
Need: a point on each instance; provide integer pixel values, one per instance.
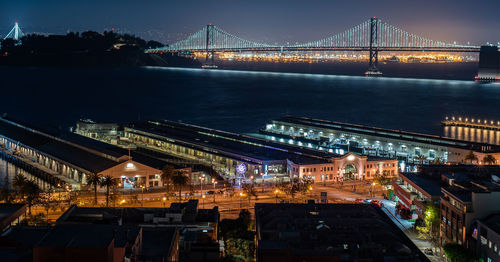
(88, 48)
(73, 42)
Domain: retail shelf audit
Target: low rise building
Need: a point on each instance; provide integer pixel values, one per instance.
(11, 214)
(463, 201)
(238, 157)
(329, 232)
(65, 243)
(485, 237)
(198, 228)
(71, 158)
(416, 190)
(408, 147)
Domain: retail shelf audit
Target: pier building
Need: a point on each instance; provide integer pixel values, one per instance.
(407, 147)
(240, 157)
(71, 158)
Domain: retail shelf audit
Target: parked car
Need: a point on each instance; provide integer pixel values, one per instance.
(209, 192)
(376, 202)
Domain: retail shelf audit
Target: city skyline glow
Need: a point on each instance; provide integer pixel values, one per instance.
(272, 22)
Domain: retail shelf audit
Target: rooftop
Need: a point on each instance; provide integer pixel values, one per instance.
(360, 230)
(246, 148)
(430, 185)
(81, 235)
(463, 189)
(157, 243)
(389, 133)
(83, 152)
(137, 215)
(7, 211)
(492, 221)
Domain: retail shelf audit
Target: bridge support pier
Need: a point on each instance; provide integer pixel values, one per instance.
(373, 62)
(210, 53)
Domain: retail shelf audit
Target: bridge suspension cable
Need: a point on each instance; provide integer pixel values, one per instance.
(16, 33)
(357, 38)
(212, 37)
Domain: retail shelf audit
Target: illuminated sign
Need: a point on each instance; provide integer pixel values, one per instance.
(241, 168)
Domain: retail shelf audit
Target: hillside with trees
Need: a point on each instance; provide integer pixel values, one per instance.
(84, 49)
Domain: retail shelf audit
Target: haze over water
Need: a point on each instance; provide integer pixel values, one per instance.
(242, 101)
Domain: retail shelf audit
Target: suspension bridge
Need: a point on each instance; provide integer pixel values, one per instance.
(16, 33)
(371, 36)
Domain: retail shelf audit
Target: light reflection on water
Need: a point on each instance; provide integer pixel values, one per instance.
(473, 134)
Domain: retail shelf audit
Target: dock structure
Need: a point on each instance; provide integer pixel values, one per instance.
(408, 147)
(239, 158)
(472, 123)
(65, 160)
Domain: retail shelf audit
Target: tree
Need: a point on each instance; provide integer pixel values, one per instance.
(290, 189)
(420, 158)
(437, 161)
(6, 195)
(470, 157)
(18, 182)
(382, 179)
(431, 221)
(489, 160)
(27, 189)
(180, 180)
(8, 44)
(245, 219)
(94, 180)
(154, 44)
(249, 190)
(457, 253)
(108, 182)
(32, 192)
(167, 173)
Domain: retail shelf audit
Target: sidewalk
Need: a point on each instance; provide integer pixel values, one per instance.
(389, 207)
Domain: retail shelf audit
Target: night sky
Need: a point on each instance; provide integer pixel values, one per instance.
(271, 21)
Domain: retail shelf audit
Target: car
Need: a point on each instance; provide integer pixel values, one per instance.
(376, 202)
(209, 192)
(428, 251)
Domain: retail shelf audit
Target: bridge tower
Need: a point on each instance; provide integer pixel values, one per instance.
(210, 54)
(15, 33)
(372, 68)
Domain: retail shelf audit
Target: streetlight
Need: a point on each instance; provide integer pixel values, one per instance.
(241, 195)
(214, 182)
(203, 201)
(276, 195)
(263, 183)
(371, 191)
(164, 198)
(201, 184)
(142, 195)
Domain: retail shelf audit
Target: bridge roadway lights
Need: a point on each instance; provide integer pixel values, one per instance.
(373, 72)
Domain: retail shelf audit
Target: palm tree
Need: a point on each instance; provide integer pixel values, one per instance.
(470, 157)
(19, 181)
(94, 180)
(489, 160)
(167, 173)
(420, 158)
(437, 161)
(109, 182)
(32, 192)
(180, 180)
(6, 195)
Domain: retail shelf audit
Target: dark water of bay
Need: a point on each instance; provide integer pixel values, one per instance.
(242, 101)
